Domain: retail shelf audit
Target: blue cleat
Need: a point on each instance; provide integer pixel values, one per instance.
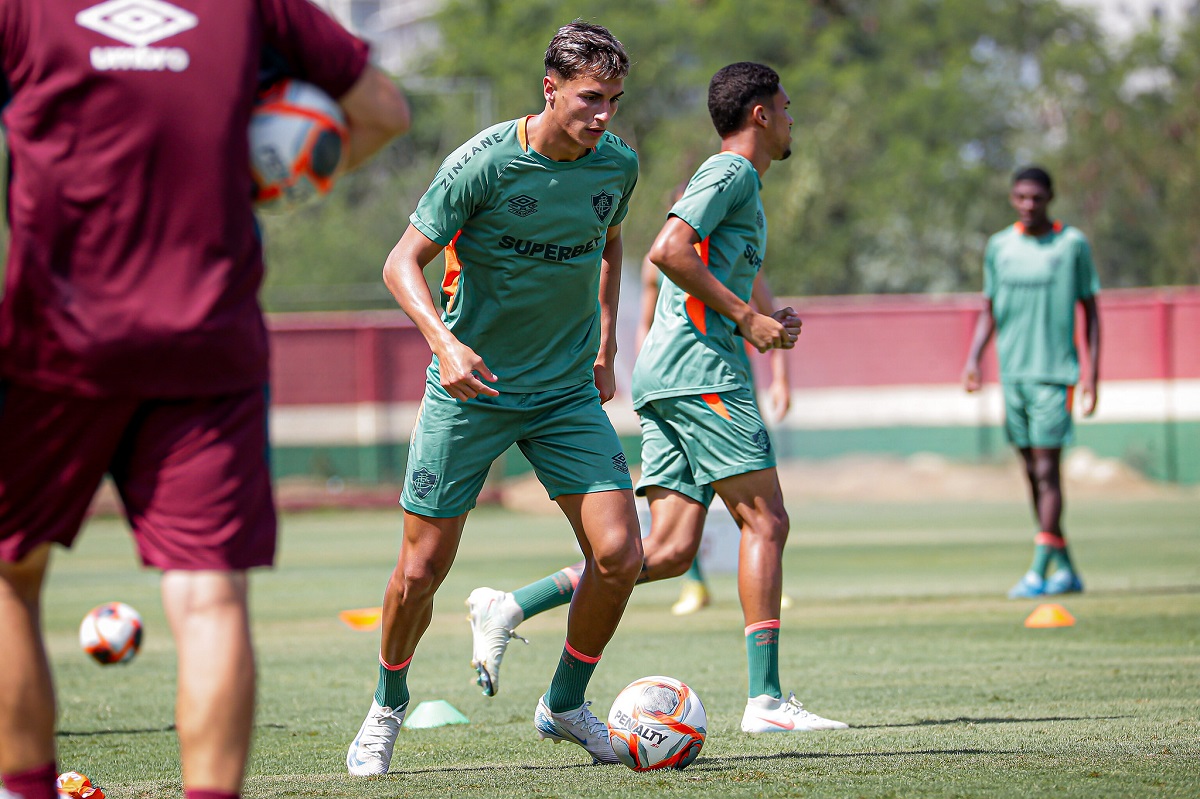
(1031, 585)
(1063, 581)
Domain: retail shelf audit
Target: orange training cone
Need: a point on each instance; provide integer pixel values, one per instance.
(1049, 615)
(361, 618)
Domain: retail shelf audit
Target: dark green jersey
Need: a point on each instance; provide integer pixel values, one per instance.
(524, 235)
(692, 349)
(1034, 283)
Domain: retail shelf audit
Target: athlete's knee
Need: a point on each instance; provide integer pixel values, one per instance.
(620, 566)
(417, 580)
(771, 525)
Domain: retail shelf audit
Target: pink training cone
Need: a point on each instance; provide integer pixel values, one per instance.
(1049, 615)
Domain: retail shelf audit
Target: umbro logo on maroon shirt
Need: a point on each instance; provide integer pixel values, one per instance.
(138, 23)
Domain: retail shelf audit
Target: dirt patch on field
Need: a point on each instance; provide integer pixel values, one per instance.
(919, 478)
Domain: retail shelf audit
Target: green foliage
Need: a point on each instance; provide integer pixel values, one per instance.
(910, 117)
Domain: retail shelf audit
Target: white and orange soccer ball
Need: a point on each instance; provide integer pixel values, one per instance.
(657, 722)
(297, 136)
(111, 633)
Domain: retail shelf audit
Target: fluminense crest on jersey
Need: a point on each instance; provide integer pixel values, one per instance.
(602, 203)
(762, 440)
(423, 482)
(138, 23)
(523, 205)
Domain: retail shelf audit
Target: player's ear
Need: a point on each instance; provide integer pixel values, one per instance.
(549, 87)
(758, 115)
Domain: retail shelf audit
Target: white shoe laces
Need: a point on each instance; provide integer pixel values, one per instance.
(585, 718)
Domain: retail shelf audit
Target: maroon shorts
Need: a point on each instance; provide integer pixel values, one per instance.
(192, 474)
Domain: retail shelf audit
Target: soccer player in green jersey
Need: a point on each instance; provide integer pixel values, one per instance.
(529, 214)
(1035, 273)
(701, 427)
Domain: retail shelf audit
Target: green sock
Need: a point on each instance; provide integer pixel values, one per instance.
(694, 572)
(1041, 559)
(392, 689)
(571, 679)
(1061, 558)
(762, 655)
(548, 592)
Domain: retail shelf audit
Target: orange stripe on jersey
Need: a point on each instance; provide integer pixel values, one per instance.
(453, 272)
(522, 133)
(697, 310)
(1055, 227)
(1070, 398)
(714, 402)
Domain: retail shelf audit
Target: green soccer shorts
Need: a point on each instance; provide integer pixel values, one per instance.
(1038, 415)
(690, 442)
(564, 433)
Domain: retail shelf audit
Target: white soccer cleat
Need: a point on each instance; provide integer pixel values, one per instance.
(370, 752)
(579, 726)
(768, 714)
(493, 615)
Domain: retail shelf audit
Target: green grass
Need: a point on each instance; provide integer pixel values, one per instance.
(900, 629)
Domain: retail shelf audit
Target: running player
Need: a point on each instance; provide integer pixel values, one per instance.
(694, 596)
(131, 339)
(529, 213)
(701, 428)
(1034, 274)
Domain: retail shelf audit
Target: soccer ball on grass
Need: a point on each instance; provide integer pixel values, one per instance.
(111, 633)
(657, 722)
(297, 136)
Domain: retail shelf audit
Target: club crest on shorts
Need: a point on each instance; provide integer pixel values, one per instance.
(423, 482)
(620, 464)
(762, 440)
(602, 203)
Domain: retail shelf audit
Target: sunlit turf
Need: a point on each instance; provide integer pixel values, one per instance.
(900, 628)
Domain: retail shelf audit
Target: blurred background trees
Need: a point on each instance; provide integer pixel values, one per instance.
(910, 117)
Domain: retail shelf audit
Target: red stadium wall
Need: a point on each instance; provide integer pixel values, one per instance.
(354, 380)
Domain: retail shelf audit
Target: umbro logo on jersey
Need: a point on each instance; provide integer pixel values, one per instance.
(523, 205)
(602, 203)
(620, 464)
(138, 23)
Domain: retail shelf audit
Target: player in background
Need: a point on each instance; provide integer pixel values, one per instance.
(529, 213)
(131, 339)
(1034, 274)
(695, 596)
(693, 389)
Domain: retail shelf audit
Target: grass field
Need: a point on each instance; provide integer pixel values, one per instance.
(900, 629)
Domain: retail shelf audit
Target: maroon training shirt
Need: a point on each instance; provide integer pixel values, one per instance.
(134, 263)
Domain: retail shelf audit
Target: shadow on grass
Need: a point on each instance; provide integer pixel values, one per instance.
(167, 728)
(984, 720)
(719, 763)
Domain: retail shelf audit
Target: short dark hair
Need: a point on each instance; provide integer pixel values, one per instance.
(1034, 174)
(737, 88)
(582, 48)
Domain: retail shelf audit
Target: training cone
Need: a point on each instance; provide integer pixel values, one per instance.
(1049, 615)
(434, 713)
(361, 618)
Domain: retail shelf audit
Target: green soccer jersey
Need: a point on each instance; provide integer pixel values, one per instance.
(692, 349)
(524, 236)
(1034, 283)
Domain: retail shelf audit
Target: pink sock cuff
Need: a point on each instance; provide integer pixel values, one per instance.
(1050, 540)
(35, 783)
(203, 794)
(769, 624)
(390, 667)
(575, 653)
(573, 575)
